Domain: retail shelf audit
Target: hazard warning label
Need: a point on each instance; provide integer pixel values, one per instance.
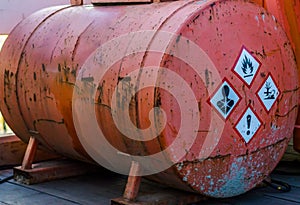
(248, 125)
(268, 93)
(225, 99)
(246, 66)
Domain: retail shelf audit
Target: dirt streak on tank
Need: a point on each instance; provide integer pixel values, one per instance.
(183, 88)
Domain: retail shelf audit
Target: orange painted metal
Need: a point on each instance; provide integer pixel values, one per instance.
(29, 154)
(133, 183)
(288, 14)
(45, 54)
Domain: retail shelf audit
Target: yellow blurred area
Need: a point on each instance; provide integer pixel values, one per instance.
(3, 126)
(2, 40)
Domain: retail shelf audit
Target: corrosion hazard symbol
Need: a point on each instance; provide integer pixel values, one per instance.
(246, 66)
(268, 93)
(225, 99)
(248, 125)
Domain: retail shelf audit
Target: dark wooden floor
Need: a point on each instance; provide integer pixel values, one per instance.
(100, 187)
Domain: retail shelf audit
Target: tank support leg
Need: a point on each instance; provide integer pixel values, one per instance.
(133, 182)
(153, 195)
(59, 168)
(29, 153)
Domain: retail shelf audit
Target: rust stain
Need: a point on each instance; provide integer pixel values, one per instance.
(233, 166)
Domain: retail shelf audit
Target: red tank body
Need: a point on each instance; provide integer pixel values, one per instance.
(288, 14)
(195, 91)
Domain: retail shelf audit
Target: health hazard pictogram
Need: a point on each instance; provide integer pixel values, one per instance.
(246, 66)
(268, 93)
(248, 125)
(225, 99)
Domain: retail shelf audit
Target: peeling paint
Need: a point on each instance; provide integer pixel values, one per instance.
(38, 86)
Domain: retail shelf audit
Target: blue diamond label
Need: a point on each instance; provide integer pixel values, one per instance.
(225, 99)
(268, 93)
(248, 125)
(246, 67)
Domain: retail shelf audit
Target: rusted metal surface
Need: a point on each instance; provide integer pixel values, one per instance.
(9, 78)
(288, 14)
(244, 125)
(133, 182)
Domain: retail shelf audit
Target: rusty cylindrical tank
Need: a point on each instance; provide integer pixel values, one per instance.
(288, 14)
(195, 91)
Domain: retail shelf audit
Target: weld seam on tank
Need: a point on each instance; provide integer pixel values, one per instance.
(78, 39)
(20, 60)
(138, 118)
(21, 56)
(236, 163)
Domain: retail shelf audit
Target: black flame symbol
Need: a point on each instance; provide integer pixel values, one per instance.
(247, 67)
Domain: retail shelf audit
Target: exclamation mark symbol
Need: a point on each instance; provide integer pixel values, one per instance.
(248, 124)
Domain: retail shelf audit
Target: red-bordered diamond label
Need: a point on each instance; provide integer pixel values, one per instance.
(224, 99)
(246, 66)
(268, 93)
(248, 125)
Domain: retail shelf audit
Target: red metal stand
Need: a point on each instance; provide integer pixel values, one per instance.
(133, 182)
(30, 173)
(29, 154)
(158, 196)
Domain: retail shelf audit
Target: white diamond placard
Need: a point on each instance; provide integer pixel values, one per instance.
(225, 99)
(248, 125)
(268, 93)
(246, 67)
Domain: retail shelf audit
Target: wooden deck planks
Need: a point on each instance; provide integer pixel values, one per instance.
(17, 195)
(292, 196)
(249, 201)
(101, 187)
(90, 189)
(98, 188)
(293, 180)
